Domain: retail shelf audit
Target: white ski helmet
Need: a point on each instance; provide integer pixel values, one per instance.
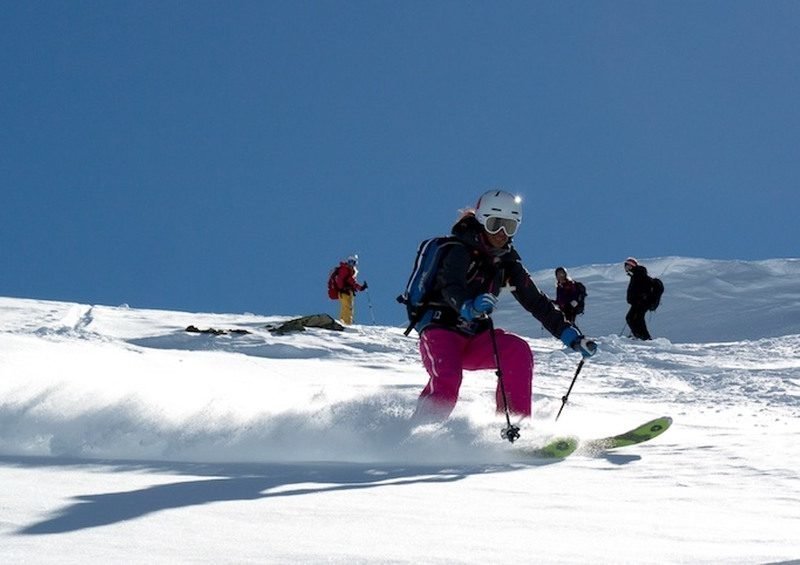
(499, 204)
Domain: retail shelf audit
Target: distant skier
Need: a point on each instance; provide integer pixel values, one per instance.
(570, 295)
(344, 285)
(639, 297)
(454, 327)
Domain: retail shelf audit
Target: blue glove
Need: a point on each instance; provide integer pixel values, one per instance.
(578, 342)
(480, 305)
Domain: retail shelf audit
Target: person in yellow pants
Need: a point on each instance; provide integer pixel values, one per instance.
(346, 307)
(346, 283)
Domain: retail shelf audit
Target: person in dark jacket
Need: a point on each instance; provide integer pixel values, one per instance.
(454, 331)
(570, 295)
(638, 297)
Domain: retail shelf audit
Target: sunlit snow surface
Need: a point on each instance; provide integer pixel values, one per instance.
(124, 438)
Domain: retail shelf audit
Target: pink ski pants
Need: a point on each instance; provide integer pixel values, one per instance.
(446, 354)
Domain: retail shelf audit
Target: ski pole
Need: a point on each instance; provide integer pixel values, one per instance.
(510, 432)
(369, 303)
(566, 396)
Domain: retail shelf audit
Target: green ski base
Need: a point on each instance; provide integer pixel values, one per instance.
(561, 447)
(558, 448)
(645, 432)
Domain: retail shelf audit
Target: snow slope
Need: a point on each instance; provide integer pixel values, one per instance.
(704, 300)
(124, 438)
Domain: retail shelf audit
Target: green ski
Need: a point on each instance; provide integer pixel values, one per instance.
(557, 448)
(645, 432)
(561, 447)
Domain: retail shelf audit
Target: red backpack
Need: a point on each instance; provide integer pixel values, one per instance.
(333, 290)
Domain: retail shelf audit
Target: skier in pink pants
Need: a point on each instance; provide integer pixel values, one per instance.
(446, 353)
(455, 329)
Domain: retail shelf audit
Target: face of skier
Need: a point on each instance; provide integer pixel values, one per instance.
(561, 276)
(496, 240)
(498, 231)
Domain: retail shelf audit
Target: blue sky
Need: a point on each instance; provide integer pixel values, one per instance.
(223, 156)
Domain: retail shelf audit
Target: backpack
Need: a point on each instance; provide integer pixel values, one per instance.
(581, 288)
(423, 277)
(656, 290)
(333, 290)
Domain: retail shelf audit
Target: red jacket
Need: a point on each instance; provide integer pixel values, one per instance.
(346, 279)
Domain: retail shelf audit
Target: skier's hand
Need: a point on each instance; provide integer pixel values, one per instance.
(364, 286)
(569, 336)
(485, 303)
(577, 342)
(585, 347)
(482, 304)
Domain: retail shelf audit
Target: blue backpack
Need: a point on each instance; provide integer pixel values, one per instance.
(423, 277)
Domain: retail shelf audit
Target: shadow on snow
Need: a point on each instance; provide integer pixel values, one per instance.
(229, 482)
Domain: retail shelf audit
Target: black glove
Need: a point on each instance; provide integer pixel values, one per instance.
(364, 286)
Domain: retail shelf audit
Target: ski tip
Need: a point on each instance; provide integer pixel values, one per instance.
(665, 421)
(654, 428)
(643, 433)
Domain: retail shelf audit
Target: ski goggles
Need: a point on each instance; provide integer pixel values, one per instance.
(494, 224)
